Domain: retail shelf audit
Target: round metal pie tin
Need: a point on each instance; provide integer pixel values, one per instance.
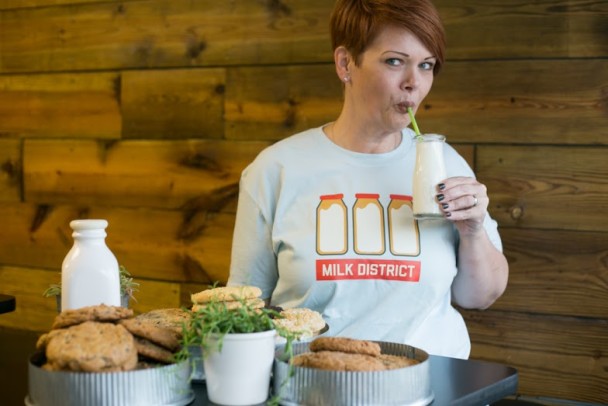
(409, 386)
(162, 385)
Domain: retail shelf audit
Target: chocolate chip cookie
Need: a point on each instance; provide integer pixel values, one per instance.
(146, 328)
(91, 347)
(100, 312)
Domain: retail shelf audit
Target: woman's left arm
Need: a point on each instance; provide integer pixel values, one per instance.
(482, 269)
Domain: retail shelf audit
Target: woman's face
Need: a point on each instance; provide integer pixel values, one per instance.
(395, 72)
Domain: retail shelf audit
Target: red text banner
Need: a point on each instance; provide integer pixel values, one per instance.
(355, 269)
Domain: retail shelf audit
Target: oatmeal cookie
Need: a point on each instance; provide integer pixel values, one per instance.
(100, 312)
(147, 329)
(148, 349)
(396, 361)
(91, 347)
(234, 304)
(344, 344)
(171, 318)
(338, 361)
(42, 341)
(227, 293)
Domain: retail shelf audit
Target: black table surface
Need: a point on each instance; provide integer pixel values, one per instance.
(453, 381)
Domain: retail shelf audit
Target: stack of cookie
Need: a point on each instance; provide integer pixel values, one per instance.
(89, 340)
(108, 338)
(347, 354)
(233, 297)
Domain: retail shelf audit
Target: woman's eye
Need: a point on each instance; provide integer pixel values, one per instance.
(427, 65)
(394, 61)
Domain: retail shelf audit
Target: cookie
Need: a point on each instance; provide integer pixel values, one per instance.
(338, 361)
(396, 361)
(91, 347)
(148, 349)
(234, 304)
(228, 293)
(100, 312)
(343, 344)
(301, 320)
(42, 341)
(171, 318)
(147, 329)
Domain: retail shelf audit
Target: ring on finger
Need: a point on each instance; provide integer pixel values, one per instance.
(474, 201)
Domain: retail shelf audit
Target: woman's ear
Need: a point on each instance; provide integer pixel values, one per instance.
(342, 60)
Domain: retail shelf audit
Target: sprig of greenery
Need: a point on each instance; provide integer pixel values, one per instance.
(215, 319)
(127, 285)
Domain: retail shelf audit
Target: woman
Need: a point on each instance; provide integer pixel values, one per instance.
(313, 229)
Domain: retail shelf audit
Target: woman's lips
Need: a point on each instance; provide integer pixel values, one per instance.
(403, 106)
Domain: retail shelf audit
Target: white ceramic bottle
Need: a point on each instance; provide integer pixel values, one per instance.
(89, 273)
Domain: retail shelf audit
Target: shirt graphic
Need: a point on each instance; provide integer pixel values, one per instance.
(370, 227)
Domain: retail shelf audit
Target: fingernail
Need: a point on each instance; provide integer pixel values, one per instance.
(445, 205)
(440, 197)
(441, 186)
(448, 214)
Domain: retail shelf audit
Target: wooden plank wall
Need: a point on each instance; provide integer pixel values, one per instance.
(144, 112)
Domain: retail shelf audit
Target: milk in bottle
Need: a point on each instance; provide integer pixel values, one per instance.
(428, 173)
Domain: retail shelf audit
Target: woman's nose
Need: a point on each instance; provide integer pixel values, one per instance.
(410, 79)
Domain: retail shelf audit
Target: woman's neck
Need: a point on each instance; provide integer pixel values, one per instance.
(358, 138)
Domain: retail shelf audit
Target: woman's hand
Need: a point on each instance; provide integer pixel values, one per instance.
(482, 269)
(464, 201)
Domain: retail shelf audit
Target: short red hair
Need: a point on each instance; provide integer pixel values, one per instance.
(355, 24)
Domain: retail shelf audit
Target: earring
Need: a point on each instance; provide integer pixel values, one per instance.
(346, 78)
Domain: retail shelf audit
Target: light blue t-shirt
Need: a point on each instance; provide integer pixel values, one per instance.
(322, 227)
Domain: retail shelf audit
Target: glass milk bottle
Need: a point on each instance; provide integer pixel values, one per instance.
(428, 173)
(89, 273)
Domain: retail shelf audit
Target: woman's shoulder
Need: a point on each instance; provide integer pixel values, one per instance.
(290, 148)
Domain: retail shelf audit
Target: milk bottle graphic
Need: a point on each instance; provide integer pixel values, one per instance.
(403, 232)
(368, 225)
(332, 225)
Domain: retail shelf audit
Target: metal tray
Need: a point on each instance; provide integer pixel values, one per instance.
(167, 385)
(409, 386)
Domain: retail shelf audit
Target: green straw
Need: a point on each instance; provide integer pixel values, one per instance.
(413, 119)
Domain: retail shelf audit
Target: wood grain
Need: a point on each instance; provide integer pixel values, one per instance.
(152, 244)
(164, 33)
(556, 272)
(10, 170)
(188, 175)
(552, 360)
(520, 101)
(274, 102)
(506, 29)
(546, 187)
(172, 104)
(62, 105)
(36, 312)
(12, 4)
